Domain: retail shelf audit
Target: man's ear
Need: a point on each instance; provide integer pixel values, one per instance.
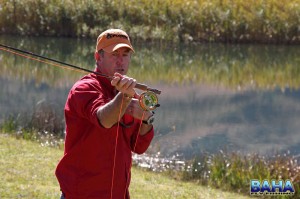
(97, 56)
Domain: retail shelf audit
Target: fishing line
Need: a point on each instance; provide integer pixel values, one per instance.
(35, 59)
(115, 151)
(137, 136)
(32, 55)
(67, 66)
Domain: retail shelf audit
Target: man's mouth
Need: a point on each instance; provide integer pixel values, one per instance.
(120, 70)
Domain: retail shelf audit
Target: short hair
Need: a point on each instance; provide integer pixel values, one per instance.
(101, 52)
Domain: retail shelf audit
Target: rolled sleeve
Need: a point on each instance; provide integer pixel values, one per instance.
(86, 102)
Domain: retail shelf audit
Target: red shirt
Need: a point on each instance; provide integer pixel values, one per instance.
(86, 169)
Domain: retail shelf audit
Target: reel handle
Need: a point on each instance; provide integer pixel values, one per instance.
(146, 88)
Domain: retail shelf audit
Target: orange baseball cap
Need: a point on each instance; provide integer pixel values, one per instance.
(113, 39)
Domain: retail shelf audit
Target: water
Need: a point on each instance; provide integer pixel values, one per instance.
(214, 97)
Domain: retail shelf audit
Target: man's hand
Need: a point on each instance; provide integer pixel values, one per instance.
(124, 84)
(134, 109)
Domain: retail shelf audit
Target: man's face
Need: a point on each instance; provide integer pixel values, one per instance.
(117, 61)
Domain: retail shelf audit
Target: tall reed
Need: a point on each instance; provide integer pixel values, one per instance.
(263, 21)
(233, 171)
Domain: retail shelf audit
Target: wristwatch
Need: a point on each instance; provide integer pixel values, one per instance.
(149, 121)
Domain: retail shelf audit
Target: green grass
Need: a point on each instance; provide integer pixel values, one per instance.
(158, 186)
(27, 171)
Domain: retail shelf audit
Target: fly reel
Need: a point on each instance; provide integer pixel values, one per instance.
(148, 101)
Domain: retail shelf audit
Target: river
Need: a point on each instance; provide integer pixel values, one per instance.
(214, 96)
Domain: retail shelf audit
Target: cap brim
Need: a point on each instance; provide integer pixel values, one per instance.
(115, 47)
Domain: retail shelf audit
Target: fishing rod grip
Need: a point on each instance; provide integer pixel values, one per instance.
(146, 88)
(141, 86)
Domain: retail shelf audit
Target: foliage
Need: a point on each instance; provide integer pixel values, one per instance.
(233, 171)
(44, 125)
(9, 125)
(266, 21)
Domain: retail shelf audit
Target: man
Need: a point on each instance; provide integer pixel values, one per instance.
(104, 124)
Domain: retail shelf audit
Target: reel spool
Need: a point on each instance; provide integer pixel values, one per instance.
(148, 101)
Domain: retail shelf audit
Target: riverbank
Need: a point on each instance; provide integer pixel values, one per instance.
(23, 160)
(27, 171)
(174, 21)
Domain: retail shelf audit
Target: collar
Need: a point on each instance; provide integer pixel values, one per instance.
(103, 80)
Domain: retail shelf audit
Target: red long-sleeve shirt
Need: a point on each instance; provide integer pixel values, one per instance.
(86, 169)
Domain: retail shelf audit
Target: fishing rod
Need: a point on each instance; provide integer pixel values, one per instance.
(148, 100)
(138, 85)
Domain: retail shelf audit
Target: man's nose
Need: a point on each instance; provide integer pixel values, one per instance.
(120, 59)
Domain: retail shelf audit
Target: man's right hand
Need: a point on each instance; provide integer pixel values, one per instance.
(124, 84)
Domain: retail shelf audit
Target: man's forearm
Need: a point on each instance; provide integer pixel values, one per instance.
(108, 115)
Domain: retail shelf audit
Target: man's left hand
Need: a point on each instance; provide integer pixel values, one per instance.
(134, 109)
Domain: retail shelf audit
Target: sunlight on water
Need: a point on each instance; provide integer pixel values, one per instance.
(159, 163)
